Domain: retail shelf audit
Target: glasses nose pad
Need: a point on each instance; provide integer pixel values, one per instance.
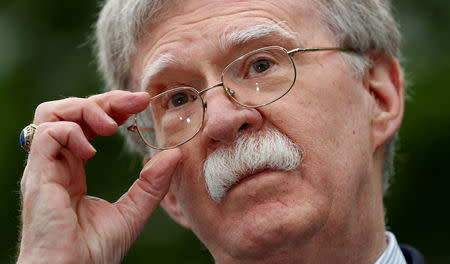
(230, 92)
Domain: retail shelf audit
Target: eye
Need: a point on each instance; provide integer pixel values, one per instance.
(260, 66)
(180, 99)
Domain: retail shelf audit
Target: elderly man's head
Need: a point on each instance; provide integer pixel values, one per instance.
(302, 171)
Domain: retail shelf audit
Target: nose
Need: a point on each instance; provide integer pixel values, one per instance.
(225, 119)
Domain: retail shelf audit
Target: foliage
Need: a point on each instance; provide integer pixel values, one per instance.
(45, 55)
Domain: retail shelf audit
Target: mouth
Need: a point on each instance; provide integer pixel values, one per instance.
(248, 177)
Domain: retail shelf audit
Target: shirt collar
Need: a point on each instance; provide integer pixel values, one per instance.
(393, 254)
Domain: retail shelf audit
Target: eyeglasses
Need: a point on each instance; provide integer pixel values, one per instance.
(253, 80)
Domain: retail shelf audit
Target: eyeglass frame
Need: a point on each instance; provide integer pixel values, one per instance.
(230, 93)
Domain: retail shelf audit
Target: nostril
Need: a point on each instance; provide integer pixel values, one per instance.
(244, 126)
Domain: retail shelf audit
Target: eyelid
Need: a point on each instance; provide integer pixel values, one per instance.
(252, 59)
(158, 89)
(166, 98)
(169, 100)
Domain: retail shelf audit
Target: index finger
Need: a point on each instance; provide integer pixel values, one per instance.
(122, 102)
(101, 113)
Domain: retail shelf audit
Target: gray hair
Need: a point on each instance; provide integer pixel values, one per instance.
(360, 24)
(365, 25)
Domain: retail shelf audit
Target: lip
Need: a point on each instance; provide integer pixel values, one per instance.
(247, 177)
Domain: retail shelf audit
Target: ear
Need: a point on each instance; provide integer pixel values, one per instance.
(172, 207)
(386, 84)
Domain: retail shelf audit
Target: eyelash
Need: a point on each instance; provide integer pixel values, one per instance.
(249, 62)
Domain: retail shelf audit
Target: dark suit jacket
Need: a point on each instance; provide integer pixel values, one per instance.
(412, 255)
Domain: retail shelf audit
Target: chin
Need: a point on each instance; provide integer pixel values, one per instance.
(269, 228)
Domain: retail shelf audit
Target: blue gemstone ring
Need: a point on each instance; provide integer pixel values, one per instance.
(26, 137)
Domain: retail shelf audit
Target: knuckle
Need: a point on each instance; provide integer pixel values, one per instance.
(150, 187)
(42, 109)
(50, 128)
(90, 105)
(73, 100)
(41, 128)
(116, 92)
(71, 127)
(98, 100)
(108, 95)
(48, 111)
(42, 106)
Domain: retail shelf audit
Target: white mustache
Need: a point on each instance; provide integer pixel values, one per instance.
(251, 152)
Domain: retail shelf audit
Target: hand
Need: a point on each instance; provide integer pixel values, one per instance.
(60, 223)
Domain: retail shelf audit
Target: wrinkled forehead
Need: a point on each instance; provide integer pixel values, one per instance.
(229, 39)
(193, 28)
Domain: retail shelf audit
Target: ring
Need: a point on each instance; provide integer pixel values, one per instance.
(26, 137)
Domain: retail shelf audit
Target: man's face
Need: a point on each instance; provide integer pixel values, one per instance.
(327, 114)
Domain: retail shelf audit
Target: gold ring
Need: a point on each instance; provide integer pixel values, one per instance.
(26, 137)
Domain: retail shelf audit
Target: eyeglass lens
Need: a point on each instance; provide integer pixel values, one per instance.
(172, 117)
(255, 79)
(260, 77)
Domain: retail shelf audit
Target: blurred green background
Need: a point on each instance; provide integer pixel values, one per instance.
(45, 55)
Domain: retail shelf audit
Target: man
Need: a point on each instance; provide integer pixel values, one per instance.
(268, 126)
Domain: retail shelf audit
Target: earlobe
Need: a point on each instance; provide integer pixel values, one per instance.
(386, 84)
(173, 209)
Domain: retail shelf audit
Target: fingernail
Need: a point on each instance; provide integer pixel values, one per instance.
(91, 151)
(143, 94)
(110, 121)
(164, 155)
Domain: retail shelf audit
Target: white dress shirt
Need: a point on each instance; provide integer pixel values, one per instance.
(393, 254)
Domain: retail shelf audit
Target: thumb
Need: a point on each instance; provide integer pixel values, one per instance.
(144, 196)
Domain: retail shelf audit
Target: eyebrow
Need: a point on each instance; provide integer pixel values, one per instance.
(163, 62)
(229, 39)
(241, 37)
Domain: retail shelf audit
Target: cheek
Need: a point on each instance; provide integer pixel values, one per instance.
(190, 188)
(329, 119)
(188, 178)
(329, 110)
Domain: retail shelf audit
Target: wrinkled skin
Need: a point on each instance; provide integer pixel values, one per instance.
(61, 224)
(328, 211)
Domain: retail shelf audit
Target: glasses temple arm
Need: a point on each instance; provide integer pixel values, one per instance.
(134, 128)
(344, 49)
